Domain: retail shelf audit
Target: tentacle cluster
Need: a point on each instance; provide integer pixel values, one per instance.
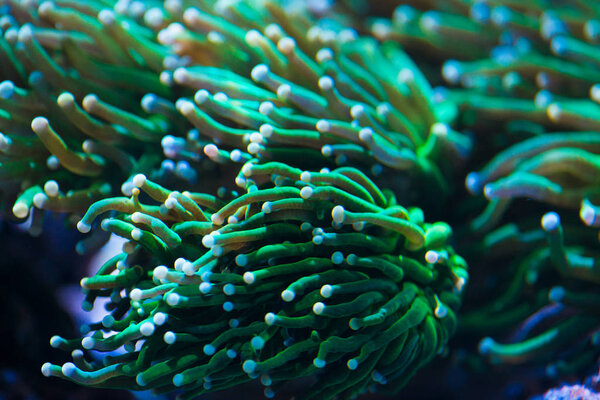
(550, 300)
(90, 91)
(309, 268)
(527, 87)
(305, 273)
(73, 127)
(535, 73)
(309, 94)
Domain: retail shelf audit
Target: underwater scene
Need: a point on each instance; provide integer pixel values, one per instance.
(288, 199)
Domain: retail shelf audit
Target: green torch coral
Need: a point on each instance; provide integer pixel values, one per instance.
(312, 270)
(305, 273)
(324, 97)
(565, 276)
(56, 154)
(529, 93)
(214, 83)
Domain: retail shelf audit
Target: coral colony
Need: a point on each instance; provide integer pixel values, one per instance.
(530, 89)
(269, 166)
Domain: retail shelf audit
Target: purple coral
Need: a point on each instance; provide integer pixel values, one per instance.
(571, 392)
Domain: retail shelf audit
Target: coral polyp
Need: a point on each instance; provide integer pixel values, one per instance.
(304, 274)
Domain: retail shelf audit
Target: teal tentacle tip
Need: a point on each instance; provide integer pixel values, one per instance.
(550, 221)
